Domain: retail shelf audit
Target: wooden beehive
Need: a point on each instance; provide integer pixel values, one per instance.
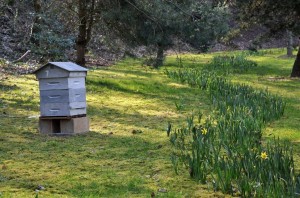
(62, 89)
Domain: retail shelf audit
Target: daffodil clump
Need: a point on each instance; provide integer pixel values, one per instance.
(233, 63)
(226, 149)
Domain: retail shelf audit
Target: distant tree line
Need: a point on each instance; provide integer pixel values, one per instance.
(155, 24)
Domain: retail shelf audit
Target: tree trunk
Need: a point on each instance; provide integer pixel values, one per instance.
(36, 27)
(81, 40)
(289, 43)
(86, 9)
(296, 67)
(91, 21)
(159, 56)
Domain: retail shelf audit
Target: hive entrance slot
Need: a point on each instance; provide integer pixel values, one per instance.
(56, 126)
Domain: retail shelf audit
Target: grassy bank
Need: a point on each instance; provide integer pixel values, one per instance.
(127, 152)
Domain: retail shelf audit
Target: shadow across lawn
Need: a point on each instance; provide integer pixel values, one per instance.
(141, 87)
(4, 87)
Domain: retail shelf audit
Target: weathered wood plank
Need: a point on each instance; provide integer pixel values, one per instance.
(63, 109)
(62, 96)
(62, 83)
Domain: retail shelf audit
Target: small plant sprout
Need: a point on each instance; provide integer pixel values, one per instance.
(169, 129)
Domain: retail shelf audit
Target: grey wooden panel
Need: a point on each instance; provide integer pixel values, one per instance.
(62, 95)
(63, 109)
(55, 109)
(61, 83)
(54, 96)
(53, 83)
(77, 105)
(75, 83)
(52, 72)
(74, 112)
(77, 95)
(77, 74)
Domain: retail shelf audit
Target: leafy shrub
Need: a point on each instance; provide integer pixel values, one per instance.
(53, 43)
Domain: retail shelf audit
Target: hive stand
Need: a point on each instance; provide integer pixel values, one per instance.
(63, 125)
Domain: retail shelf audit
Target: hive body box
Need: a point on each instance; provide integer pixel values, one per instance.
(62, 89)
(62, 96)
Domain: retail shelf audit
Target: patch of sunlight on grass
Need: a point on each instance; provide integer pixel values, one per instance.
(177, 85)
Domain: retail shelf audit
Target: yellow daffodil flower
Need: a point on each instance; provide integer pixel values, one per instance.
(264, 155)
(204, 131)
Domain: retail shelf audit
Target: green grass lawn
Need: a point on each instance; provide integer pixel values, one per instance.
(111, 160)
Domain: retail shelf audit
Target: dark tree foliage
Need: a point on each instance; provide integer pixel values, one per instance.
(155, 23)
(36, 27)
(277, 15)
(50, 38)
(55, 28)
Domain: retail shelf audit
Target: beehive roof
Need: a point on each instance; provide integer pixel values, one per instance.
(68, 66)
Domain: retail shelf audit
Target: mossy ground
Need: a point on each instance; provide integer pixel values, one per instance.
(127, 152)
